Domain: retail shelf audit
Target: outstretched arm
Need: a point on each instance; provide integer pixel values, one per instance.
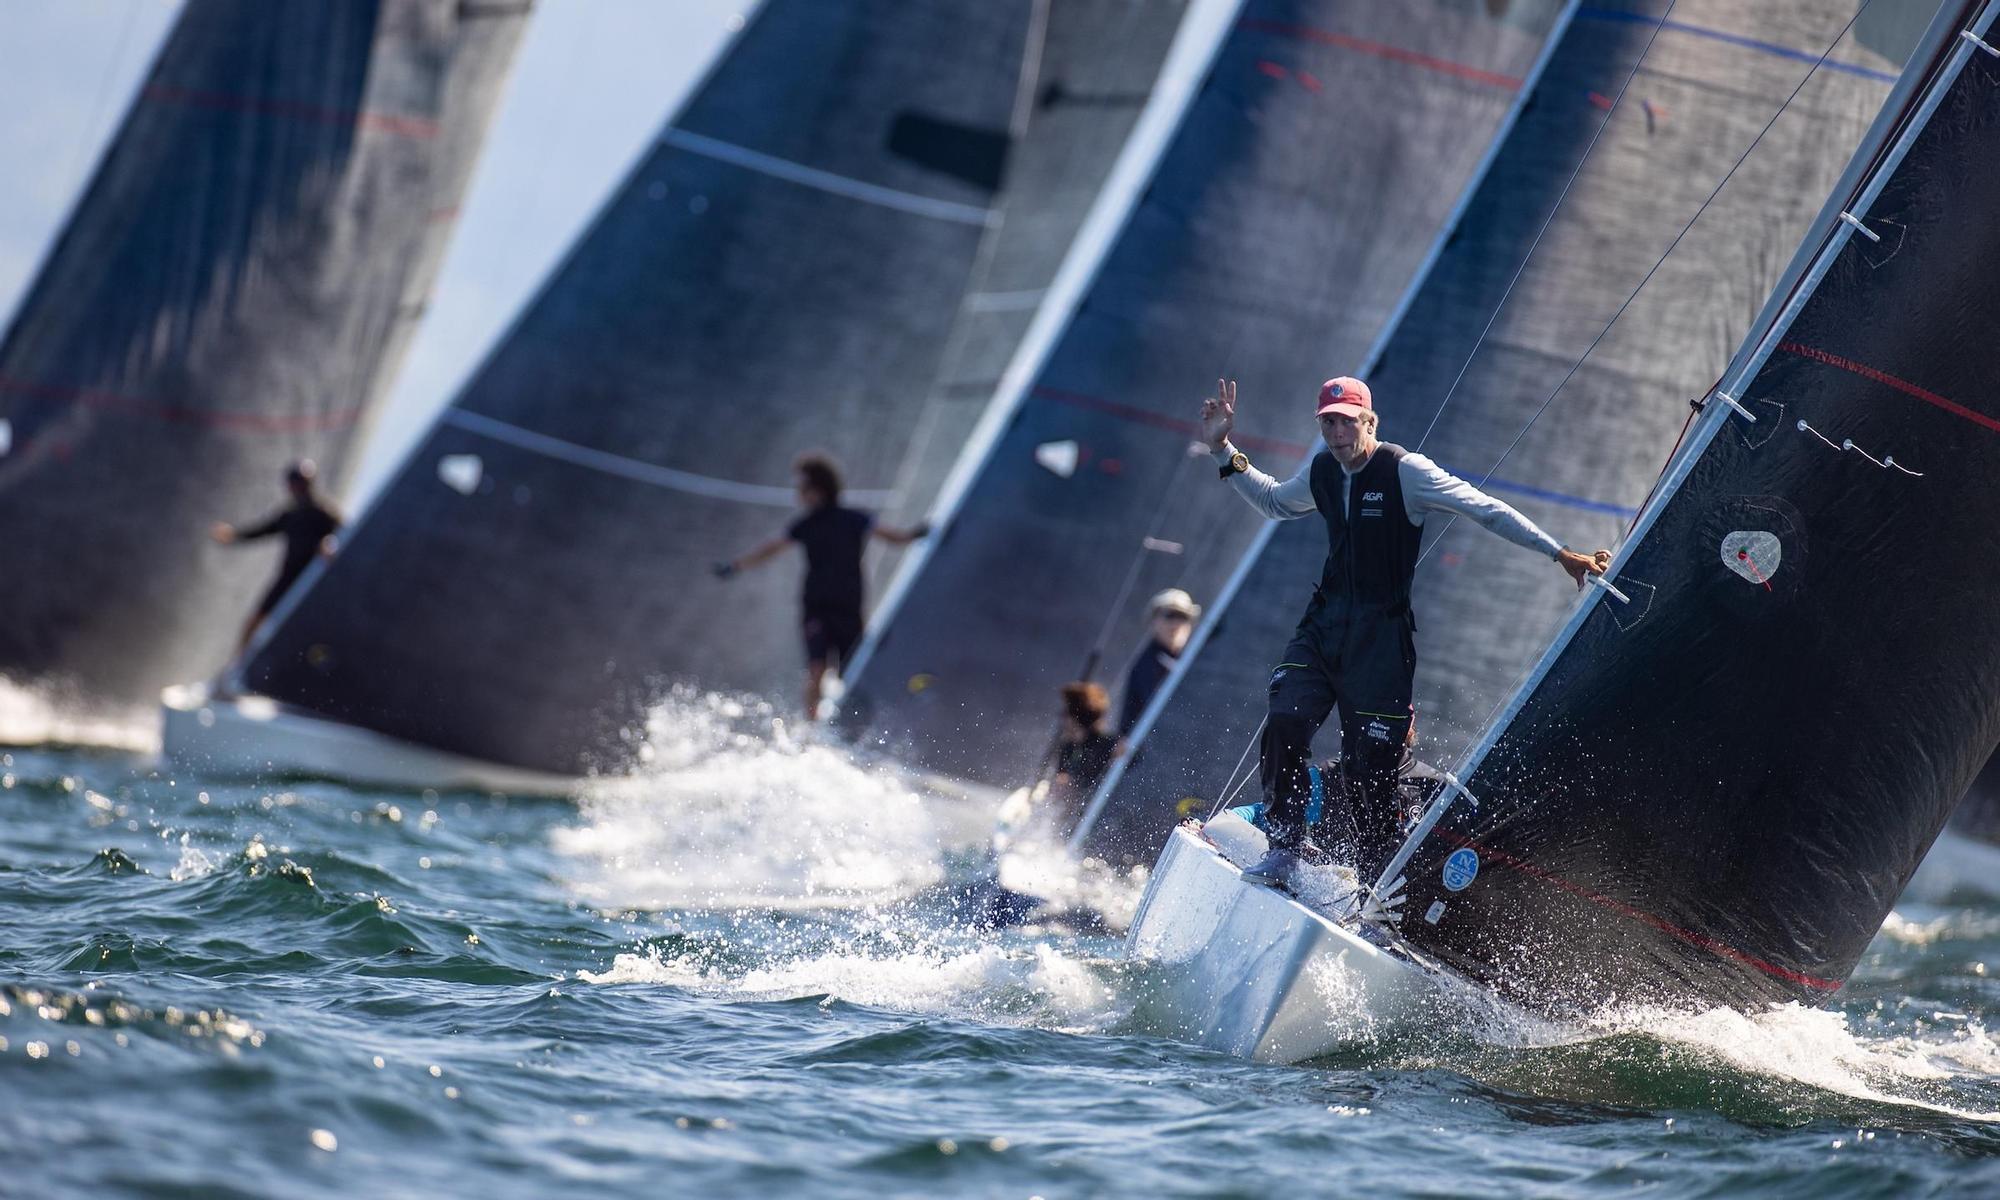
(1278, 501)
(764, 552)
(224, 532)
(901, 537)
(1428, 487)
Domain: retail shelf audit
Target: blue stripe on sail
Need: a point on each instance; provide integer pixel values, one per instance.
(1772, 48)
(1562, 498)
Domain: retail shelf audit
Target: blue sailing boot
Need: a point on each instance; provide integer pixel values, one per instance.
(1274, 870)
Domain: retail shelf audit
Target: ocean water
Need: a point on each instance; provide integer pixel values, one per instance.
(748, 972)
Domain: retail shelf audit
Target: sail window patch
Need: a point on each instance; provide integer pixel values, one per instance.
(1460, 869)
(1753, 554)
(1058, 458)
(1434, 913)
(461, 472)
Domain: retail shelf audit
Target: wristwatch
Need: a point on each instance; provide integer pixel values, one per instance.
(1238, 461)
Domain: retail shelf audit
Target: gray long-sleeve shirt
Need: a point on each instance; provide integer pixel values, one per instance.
(1427, 488)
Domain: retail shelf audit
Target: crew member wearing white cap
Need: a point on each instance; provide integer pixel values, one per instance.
(1355, 646)
(1172, 616)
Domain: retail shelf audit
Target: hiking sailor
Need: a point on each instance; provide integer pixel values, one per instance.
(308, 525)
(833, 537)
(1355, 645)
(1171, 618)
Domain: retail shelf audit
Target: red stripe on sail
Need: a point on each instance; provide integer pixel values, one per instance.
(1718, 948)
(1883, 377)
(1383, 50)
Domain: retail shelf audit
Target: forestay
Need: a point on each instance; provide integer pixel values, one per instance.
(233, 291)
(1711, 79)
(1714, 789)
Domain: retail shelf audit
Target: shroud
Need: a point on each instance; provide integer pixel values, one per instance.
(1714, 76)
(233, 291)
(1297, 196)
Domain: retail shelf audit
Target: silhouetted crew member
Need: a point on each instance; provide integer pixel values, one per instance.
(308, 525)
(833, 538)
(1173, 614)
(1085, 752)
(1355, 646)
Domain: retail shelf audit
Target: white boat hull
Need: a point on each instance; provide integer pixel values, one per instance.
(254, 737)
(1251, 971)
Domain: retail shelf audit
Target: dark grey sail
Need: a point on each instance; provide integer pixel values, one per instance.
(1713, 790)
(1093, 74)
(1484, 608)
(232, 292)
(1301, 188)
(778, 272)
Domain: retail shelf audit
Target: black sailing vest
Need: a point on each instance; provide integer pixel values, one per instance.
(1371, 548)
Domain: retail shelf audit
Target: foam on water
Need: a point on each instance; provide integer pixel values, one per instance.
(32, 716)
(1038, 984)
(736, 809)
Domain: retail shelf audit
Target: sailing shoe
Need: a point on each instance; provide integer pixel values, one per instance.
(1274, 870)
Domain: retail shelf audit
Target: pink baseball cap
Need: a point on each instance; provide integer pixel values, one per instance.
(1345, 394)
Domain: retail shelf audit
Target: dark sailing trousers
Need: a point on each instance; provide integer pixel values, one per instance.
(1361, 660)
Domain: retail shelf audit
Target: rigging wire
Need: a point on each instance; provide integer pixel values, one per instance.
(1654, 269)
(1227, 793)
(1549, 220)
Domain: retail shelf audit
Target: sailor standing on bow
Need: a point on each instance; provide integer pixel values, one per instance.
(1355, 647)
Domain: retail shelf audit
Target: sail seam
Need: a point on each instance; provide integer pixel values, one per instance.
(634, 469)
(826, 181)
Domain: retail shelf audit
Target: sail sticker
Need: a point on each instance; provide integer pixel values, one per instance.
(1753, 554)
(1058, 458)
(1434, 913)
(461, 472)
(1460, 869)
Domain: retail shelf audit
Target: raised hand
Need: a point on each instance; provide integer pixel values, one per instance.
(1218, 413)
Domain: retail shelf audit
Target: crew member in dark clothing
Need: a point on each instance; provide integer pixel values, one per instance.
(1355, 647)
(308, 525)
(833, 538)
(1085, 752)
(1173, 616)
